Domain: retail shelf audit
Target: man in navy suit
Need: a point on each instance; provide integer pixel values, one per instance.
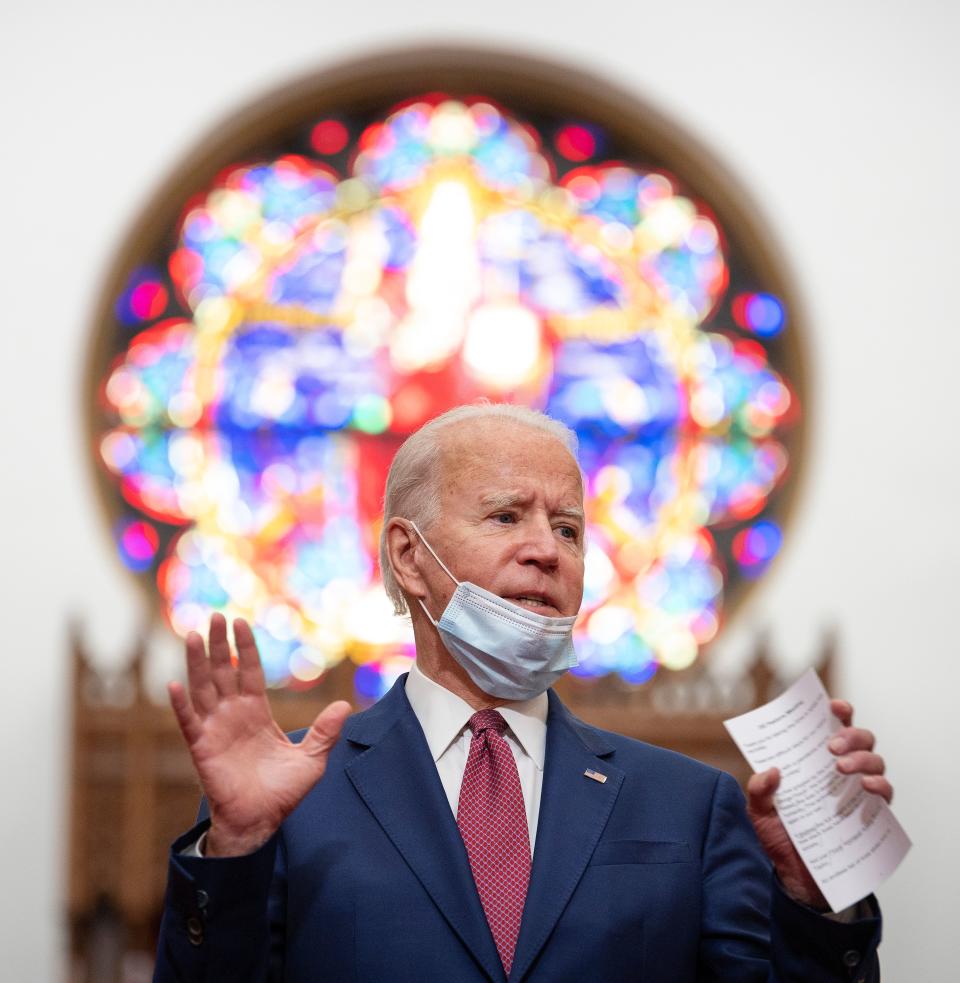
(357, 850)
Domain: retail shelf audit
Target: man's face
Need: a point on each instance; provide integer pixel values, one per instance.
(511, 518)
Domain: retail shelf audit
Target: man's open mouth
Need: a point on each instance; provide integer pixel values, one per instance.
(533, 602)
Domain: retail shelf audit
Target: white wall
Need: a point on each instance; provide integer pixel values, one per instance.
(841, 119)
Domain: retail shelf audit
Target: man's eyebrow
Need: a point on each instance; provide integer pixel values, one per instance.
(571, 512)
(502, 500)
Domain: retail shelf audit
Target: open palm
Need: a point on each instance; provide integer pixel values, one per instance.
(252, 775)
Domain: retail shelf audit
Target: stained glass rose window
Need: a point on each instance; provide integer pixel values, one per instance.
(314, 303)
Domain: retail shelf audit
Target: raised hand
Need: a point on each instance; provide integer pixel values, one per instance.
(252, 775)
(853, 747)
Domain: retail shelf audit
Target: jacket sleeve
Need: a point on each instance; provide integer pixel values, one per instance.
(752, 931)
(223, 918)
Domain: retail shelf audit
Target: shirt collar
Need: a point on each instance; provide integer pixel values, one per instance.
(443, 716)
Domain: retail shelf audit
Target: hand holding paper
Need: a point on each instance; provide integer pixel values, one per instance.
(820, 803)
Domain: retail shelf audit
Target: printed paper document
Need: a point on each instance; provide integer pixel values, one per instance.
(849, 839)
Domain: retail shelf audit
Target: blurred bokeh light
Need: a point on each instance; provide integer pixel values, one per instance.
(313, 307)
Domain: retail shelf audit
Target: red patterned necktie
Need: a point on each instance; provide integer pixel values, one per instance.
(493, 823)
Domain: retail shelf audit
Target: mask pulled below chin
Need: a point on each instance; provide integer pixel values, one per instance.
(507, 651)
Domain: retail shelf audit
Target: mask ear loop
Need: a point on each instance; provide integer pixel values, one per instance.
(443, 567)
(434, 555)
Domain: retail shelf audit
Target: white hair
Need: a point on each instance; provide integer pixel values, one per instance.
(412, 490)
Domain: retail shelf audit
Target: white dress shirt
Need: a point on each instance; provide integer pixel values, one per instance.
(443, 717)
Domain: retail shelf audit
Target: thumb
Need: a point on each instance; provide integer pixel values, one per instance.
(760, 791)
(325, 730)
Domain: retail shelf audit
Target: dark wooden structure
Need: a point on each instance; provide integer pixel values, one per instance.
(133, 789)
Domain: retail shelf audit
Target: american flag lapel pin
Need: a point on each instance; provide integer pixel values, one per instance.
(595, 775)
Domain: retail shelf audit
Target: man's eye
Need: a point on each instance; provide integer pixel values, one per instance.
(568, 532)
(504, 517)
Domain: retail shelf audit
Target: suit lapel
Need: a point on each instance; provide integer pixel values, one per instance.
(397, 779)
(574, 809)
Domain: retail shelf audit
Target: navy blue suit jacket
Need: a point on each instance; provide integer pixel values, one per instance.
(653, 876)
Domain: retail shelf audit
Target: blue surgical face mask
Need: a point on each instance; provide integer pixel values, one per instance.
(509, 652)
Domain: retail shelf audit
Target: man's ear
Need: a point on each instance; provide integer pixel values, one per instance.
(402, 544)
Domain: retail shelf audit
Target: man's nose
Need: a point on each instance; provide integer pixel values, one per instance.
(539, 545)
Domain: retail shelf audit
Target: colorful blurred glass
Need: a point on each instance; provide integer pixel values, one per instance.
(320, 304)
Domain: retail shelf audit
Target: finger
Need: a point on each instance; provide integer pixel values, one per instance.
(248, 659)
(326, 728)
(221, 668)
(761, 789)
(878, 785)
(852, 739)
(861, 763)
(843, 711)
(203, 694)
(186, 716)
